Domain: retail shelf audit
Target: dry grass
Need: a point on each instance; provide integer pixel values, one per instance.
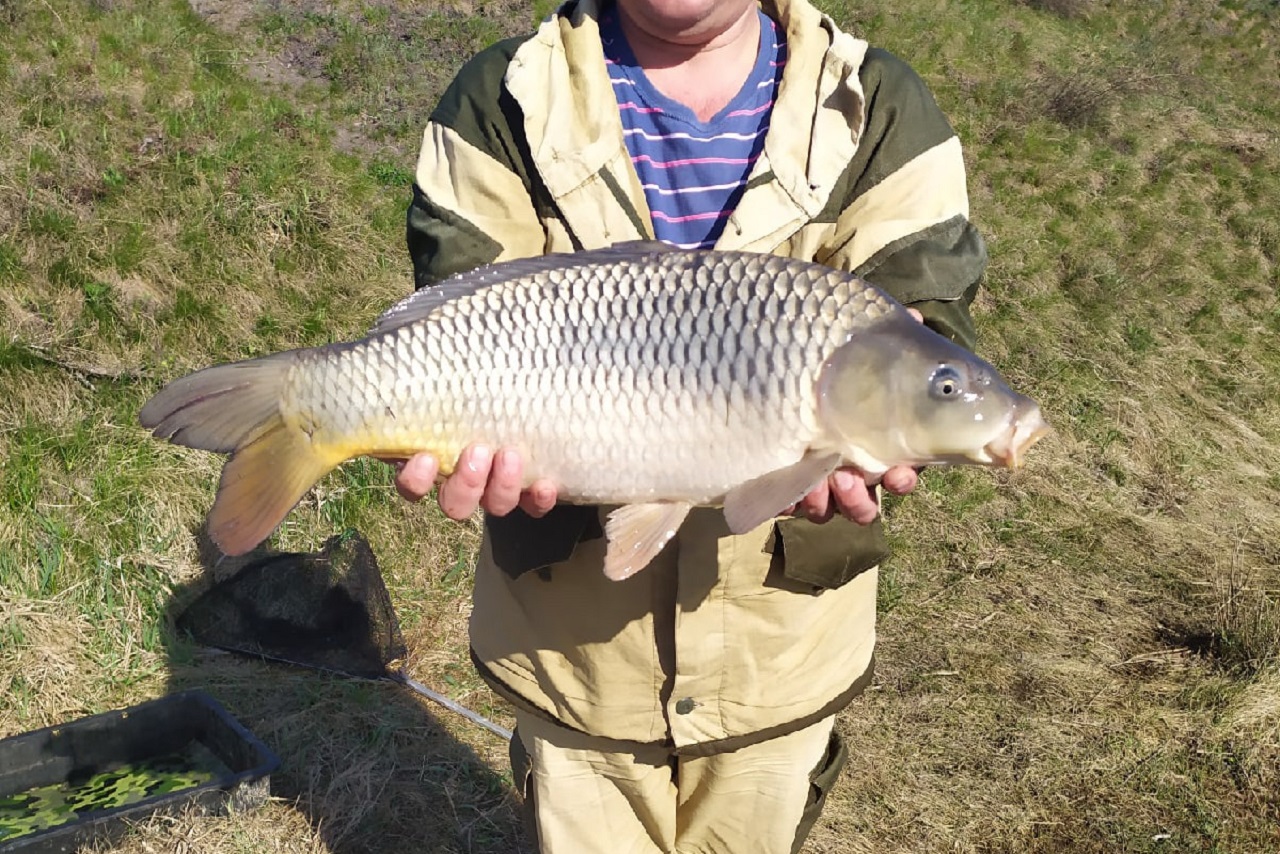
(1081, 656)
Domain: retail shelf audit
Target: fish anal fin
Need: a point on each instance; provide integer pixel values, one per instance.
(751, 504)
(637, 532)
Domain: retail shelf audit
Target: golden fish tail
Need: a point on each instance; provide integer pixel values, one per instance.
(236, 409)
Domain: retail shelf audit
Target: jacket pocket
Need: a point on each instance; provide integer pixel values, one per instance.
(826, 556)
(521, 543)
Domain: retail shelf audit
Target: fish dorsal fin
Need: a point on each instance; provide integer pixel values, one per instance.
(421, 303)
(632, 249)
(637, 532)
(755, 502)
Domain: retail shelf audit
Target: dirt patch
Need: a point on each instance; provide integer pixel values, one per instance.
(376, 68)
(1069, 9)
(229, 15)
(234, 18)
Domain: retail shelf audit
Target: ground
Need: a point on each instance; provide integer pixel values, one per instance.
(1082, 656)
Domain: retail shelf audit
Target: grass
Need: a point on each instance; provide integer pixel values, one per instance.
(1081, 656)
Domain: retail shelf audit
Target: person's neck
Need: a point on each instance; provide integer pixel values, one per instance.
(703, 68)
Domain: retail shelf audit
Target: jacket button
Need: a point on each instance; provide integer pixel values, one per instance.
(685, 706)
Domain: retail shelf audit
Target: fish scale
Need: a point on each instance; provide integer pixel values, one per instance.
(716, 424)
(637, 375)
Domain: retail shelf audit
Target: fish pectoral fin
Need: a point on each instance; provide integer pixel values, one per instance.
(755, 502)
(637, 532)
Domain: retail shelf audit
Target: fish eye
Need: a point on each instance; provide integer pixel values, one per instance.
(946, 384)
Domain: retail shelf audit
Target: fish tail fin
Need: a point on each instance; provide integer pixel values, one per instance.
(236, 409)
(261, 483)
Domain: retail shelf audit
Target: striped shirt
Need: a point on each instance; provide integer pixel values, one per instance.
(693, 172)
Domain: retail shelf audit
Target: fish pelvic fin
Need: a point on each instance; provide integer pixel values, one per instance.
(236, 409)
(637, 532)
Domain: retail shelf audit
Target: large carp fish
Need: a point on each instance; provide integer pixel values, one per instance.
(640, 375)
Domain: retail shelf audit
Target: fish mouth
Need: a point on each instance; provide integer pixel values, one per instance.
(1010, 447)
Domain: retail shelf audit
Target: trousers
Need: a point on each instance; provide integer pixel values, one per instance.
(590, 795)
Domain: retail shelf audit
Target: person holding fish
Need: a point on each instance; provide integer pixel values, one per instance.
(677, 450)
(689, 708)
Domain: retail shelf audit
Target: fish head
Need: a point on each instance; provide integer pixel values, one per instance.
(898, 393)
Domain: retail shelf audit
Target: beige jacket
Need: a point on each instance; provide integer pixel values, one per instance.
(725, 639)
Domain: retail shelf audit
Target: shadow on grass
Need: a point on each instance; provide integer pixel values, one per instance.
(367, 761)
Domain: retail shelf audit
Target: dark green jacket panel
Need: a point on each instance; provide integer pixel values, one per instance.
(935, 270)
(479, 109)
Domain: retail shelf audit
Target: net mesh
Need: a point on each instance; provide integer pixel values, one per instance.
(327, 610)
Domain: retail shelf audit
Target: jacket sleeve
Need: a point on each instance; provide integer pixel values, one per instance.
(904, 221)
(474, 188)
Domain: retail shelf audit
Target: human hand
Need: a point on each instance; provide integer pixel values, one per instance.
(851, 493)
(481, 479)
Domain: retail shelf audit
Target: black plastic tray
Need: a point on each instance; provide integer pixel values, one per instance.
(170, 726)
